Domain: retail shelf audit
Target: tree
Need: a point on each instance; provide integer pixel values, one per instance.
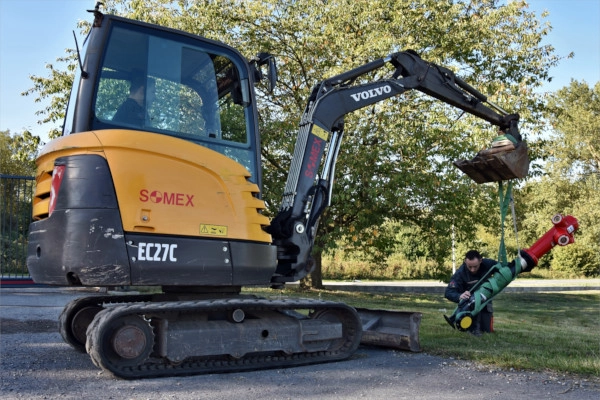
(18, 153)
(396, 159)
(17, 158)
(56, 87)
(572, 182)
(574, 113)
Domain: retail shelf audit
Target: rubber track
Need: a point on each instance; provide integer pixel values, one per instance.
(158, 367)
(69, 311)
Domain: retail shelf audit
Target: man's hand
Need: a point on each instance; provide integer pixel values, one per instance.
(465, 295)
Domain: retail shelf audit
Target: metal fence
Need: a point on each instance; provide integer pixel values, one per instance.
(16, 193)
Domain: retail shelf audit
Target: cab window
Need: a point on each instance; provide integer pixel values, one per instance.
(151, 83)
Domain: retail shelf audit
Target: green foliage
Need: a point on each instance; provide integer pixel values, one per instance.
(57, 88)
(576, 260)
(15, 216)
(351, 265)
(18, 153)
(409, 244)
(17, 158)
(574, 168)
(571, 184)
(574, 112)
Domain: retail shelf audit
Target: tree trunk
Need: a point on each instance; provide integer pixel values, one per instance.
(316, 277)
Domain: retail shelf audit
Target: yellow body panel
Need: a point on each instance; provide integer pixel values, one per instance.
(166, 185)
(85, 143)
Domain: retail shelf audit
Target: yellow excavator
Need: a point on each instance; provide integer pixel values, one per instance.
(156, 181)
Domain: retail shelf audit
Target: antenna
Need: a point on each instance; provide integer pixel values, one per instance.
(84, 74)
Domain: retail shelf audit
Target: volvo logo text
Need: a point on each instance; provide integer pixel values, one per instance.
(368, 94)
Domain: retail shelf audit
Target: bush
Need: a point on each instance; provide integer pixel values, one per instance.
(575, 260)
(342, 265)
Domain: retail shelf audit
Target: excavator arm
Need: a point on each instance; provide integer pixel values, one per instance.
(336, 97)
(308, 189)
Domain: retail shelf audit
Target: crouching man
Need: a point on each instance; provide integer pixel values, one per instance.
(468, 274)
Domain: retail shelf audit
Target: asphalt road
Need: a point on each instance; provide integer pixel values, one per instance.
(36, 364)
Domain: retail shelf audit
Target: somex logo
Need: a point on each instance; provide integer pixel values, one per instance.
(368, 94)
(167, 198)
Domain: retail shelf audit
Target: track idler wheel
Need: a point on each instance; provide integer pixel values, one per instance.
(75, 319)
(120, 343)
(80, 322)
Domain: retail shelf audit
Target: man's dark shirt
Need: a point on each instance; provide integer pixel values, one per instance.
(463, 279)
(130, 112)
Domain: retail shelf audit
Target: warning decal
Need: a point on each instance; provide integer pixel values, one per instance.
(217, 230)
(320, 132)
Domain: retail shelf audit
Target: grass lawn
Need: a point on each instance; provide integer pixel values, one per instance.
(558, 331)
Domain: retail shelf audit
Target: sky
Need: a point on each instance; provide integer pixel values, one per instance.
(34, 33)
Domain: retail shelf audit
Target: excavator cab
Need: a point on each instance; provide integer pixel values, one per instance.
(159, 82)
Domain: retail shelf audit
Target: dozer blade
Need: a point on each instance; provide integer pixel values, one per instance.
(497, 164)
(394, 329)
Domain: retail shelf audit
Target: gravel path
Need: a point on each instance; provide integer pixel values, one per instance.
(36, 364)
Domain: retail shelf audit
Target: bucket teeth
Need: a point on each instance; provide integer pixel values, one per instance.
(500, 163)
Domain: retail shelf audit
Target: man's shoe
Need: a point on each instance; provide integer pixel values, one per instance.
(476, 332)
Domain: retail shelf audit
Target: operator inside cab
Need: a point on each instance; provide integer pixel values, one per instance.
(134, 110)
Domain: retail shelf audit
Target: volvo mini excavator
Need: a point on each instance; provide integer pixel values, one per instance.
(156, 181)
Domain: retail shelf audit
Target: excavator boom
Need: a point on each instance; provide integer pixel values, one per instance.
(308, 191)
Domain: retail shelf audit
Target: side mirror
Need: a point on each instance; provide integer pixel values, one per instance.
(259, 61)
(272, 73)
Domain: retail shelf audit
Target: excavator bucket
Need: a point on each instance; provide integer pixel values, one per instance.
(393, 329)
(497, 164)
